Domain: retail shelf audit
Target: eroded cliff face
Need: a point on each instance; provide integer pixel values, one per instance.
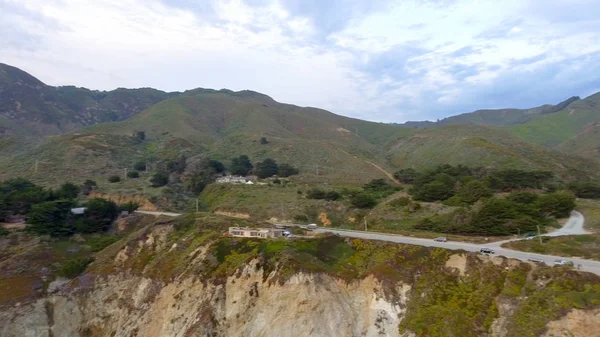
(160, 282)
(245, 305)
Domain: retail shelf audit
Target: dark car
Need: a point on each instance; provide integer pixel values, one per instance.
(486, 251)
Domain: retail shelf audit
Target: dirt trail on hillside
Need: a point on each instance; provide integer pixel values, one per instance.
(388, 174)
(391, 176)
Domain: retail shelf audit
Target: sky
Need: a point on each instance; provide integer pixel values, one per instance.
(379, 60)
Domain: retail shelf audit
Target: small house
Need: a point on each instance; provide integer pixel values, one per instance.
(262, 233)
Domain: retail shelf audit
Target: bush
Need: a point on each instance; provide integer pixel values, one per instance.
(75, 267)
(523, 197)
(133, 174)
(400, 202)
(300, 218)
(159, 179)
(140, 166)
(316, 193)
(3, 231)
(363, 200)
(587, 190)
(406, 176)
(286, 170)
(263, 141)
(129, 207)
(99, 242)
(114, 179)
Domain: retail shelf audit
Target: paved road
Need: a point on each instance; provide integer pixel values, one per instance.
(573, 226)
(158, 213)
(586, 265)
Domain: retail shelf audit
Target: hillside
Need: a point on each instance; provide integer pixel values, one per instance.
(496, 117)
(28, 107)
(473, 145)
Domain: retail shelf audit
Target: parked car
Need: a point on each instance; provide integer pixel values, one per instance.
(441, 239)
(535, 260)
(311, 226)
(530, 236)
(486, 251)
(563, 262)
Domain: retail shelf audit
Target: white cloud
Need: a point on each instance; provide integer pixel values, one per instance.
(456, 46)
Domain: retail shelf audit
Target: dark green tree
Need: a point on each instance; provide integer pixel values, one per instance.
(241, 166)
(133, 174)
(51, 218)
(473, 191)
(98, 217)
(286, 170)
(67, 191)
(523, 197)
(263, 141)
(267, 168)
(140, 165)
(217, 166)
(159, 179)
(406, 176)
(363, 200)
(114, 179)
(557, 204)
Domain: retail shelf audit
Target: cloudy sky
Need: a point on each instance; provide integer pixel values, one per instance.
(380, 60)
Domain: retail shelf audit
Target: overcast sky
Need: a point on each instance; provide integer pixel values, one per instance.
(379, 60)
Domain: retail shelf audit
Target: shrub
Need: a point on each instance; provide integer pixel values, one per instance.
(263, 141)
(406, 176)
(558, 204)
(286, 170)
(133, 174)
(300, 218)
(75, 267)
(99, 242)
(114, 179)
(587, 190)
(473, 191)
(140, 166)
(400, 202)
(88, 187)
(523, 197)
(129, 207)
(3, 231)
(241, 166)
(316, 193)
(159, 179)
(363, 200)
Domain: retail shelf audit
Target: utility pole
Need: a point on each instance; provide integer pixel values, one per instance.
(539, 234)
(125, 177)
(365, 218)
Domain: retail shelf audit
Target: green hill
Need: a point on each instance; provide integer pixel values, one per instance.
(28, 107)
(327, 148)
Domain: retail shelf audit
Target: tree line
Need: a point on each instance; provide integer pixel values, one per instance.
(48, 211)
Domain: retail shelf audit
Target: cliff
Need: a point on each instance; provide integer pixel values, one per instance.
(183, 278)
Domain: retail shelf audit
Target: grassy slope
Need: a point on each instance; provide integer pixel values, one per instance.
(560, 127)
(481, 146)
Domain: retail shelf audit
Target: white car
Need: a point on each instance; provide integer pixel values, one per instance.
(563, 262)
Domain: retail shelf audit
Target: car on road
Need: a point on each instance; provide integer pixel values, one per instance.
(535, 260)
(563, 262)
(312, 226)
(441, 239)
(486, 251)
(530, 236)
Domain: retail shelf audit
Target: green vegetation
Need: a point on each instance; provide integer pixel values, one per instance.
(140, 165)
(319, 194)
(51, 218)
(496, 216)
(267, 168)
(241, 166)
(133, 174)
(583, 246)
(587, 190)
(75, 267)
(114, 179)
